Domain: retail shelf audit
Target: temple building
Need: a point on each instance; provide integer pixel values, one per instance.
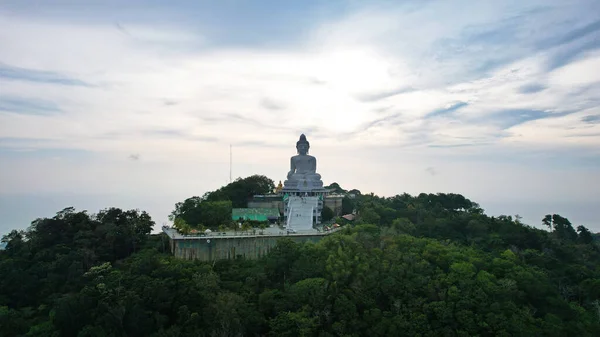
(255, 214)
(331, 200)
(298, 201)
(302, 197)
(278, 188)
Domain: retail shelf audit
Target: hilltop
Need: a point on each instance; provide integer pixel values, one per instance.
(429, 265)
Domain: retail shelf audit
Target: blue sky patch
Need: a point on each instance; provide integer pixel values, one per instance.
(16, 73)
(591, 119)
(457, 145)
(28, 106)
(564, 57)
(509, 118)
(570, 36)
(532, 88)
(31, 151)
(445, 111)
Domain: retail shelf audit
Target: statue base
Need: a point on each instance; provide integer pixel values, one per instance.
(304, 185)
(302, 206)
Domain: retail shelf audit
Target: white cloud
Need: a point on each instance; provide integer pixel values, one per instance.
(579, 73)
(564, 131)
(234, 81)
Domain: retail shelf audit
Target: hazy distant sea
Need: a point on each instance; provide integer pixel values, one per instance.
(18, 211)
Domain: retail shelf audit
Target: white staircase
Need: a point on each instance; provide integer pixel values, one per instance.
(301, 212)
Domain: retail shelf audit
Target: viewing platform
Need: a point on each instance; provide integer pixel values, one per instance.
(229, 245)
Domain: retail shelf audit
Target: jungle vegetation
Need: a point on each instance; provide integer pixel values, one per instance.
(425, 265)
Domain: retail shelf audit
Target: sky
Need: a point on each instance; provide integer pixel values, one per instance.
(135, 104)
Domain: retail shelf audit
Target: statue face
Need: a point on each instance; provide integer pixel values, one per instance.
(302, 148)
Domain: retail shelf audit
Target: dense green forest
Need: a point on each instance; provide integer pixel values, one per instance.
(213, 209)
(426, 265)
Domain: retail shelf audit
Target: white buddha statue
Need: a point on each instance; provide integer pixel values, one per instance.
(303, 168)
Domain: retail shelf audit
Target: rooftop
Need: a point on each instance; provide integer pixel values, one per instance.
(241, 212)
(267, 196)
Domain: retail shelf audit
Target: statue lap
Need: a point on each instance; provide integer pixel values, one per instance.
(304, 175)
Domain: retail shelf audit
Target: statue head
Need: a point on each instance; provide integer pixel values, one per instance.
(302, 145)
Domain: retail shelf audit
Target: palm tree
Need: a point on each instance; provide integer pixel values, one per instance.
(181, 226)
(246, 226)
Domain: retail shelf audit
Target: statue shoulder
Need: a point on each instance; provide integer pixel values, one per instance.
(305, 157)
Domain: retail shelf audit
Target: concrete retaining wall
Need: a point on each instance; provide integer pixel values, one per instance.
(211, 248)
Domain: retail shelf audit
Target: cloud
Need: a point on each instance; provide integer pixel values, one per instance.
(316, 81)
(168, 102)
(271, 104)
(28, 106)
(370, 97)
(352, 79)
(259, 144)
(567, 130)
(134, 157)
(579, 73)
(54, 154)
(16, 73)
(19, 140)
(431, 171)
(164, 133)
(591, 119)
(177, 134)
(354, 82)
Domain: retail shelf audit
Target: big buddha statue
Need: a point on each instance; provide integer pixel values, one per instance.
(303, 169)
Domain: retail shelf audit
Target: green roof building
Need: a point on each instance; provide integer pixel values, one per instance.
(256, 214)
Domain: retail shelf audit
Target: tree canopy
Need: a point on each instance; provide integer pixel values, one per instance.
(426, 265)
(327, 214)
(213, 209)
(241, 190)
(335, 188)
(197, 212)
